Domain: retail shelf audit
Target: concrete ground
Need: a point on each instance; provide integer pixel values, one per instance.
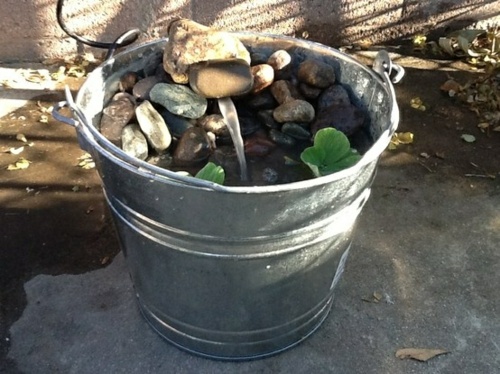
(423, 271)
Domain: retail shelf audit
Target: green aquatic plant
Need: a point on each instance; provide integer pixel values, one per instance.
(330, 153)
(212, 172)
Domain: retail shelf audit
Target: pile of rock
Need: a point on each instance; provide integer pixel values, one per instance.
(173, 114)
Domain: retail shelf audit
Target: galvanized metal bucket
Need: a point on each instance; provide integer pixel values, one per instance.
(234, 272)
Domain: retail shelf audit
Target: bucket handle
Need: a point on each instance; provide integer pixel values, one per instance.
(70, 103)
(385, 67)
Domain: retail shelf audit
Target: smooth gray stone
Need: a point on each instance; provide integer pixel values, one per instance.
(294, 111)
(176, 124)
(179, 100)
(282, 139)
(296, 131)
(134, 142)
(153, 126)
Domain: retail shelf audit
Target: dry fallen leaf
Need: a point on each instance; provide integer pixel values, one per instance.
(36, 76)
(76, 71)
(419, 41)
(417, 103)
(404, 137)
(374, 298)
(86, 161)
(468, 138)
(400, 138)
(20, 164)
(440, 155)
(59, 74)
(451, 86)
(21, 138)
(44, 109)
(16, 151)
(419, 354)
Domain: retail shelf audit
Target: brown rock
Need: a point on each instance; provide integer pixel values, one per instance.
(190, 42)
(221, 78)
(316, 73)
(284, 91)
(193, 147)
(115, 116)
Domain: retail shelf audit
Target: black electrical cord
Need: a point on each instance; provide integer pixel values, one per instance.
(123, 40)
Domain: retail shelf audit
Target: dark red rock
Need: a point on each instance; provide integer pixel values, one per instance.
(345, 118)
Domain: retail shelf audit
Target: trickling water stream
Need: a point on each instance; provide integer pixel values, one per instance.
(228, 111)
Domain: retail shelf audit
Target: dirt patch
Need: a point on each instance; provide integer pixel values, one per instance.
(438, 146)
(53, 213)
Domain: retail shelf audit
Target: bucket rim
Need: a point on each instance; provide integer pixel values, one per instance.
(103, 145)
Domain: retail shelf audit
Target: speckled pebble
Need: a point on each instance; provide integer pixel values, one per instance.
(270, 176)
(134, 142)
(115, 116)
(279, 59)
(214, 123)
(294, 111)
(179, 100)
